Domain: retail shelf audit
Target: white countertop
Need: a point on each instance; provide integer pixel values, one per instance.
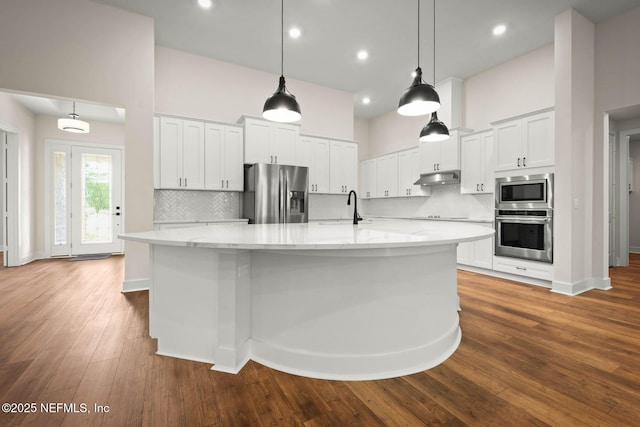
(316, 235)
(191, 221)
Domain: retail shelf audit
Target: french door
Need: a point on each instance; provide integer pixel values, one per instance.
(84, 186)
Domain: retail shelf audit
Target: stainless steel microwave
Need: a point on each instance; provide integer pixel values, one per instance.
(525, 192)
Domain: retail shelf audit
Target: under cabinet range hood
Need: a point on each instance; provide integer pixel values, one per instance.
(437, 178)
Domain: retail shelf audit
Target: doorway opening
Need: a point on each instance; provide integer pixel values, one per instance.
(84, 210)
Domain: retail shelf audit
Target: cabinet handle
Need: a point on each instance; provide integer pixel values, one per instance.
(185, 182)
(477, 187)
(434, 166)
(276, 159)
(481, 187)
(524, 161)
(518, 161)
(438, 166)
(227, 183)
(521, 268)
(180, 182)
(222, 183)
(271, 159)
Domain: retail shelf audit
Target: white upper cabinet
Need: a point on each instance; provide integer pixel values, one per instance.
(270, 142)
(525, 142)
(477, 163)
(387, 175)
(343, 166)
(223, 157)
(181, 154)
(441, 156)
(368, 175)
(409, 172)
(314, 153)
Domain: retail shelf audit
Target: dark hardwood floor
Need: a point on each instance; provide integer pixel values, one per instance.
(527, 357)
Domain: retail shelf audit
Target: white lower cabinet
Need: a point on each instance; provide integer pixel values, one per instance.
(523, 267)
(478, 253)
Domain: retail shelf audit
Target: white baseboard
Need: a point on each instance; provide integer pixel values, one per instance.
(577, 288)
(136, 285)
(31, 257)
(634, 249)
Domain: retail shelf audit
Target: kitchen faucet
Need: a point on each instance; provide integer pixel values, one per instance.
(356, 217)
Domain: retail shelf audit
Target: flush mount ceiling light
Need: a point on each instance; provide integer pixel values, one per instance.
(205, 4)
(294, 32)
(499, 29)
(435, 130)
(420, 98)
(282, 105)
(73, 125)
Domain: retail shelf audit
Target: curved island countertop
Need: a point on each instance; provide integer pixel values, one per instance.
(328, 235)
(324, 299)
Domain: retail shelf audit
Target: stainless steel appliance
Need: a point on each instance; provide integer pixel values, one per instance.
(524, 217)
(275, 193)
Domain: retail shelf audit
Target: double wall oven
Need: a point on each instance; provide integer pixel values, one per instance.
(524, 217)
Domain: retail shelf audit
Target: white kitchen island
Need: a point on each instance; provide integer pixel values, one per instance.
(325, 300)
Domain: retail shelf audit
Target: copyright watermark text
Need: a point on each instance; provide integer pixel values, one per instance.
(53, 408)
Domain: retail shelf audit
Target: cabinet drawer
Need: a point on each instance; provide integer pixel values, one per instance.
(537, 270)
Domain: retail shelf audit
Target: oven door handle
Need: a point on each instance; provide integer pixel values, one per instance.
(537, 220)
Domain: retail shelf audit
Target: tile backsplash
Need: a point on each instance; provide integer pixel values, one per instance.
(195, 205)
(445, 201)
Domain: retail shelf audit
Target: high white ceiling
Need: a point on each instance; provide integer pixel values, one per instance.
(247, 32)
(62, 108)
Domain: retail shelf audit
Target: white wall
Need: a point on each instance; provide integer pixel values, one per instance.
(634, 199)
(617, 67)
(46, 127)
(22, 121)
(361, 136)
(518, 86)
(79, 49)
(194, 86)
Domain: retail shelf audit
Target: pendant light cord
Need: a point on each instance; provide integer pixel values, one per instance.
(434, 43)
(282, 37)
(418, 33)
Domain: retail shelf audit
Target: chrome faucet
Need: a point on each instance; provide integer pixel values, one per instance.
(356, 217)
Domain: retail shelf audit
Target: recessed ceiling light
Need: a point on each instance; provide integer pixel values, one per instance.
(499, 29)
(294, 32)
(362, 55)
(366, 100)
(205, 4)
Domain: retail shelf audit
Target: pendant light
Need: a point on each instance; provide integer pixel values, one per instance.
(73, 125)
(435, 130)
(282, 105)
(420, 98)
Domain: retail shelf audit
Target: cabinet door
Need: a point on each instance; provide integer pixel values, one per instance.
(406, 171)
(387, 176)
(368, 179)
(487, 183)
(429, 156)
(335, 168)
(303, 152)
(539, 136)
(193, 155)
(213, 152)
(156, 152)
(508, 143)
(483, 253)
(258, 138)
(232, 163)
(319, 179)
(170, 156)
(285, 139)
(465, 251)
(449, 154)
(349, 170)
(472, 159)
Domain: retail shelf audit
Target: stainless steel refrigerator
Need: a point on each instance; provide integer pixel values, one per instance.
(275, 193)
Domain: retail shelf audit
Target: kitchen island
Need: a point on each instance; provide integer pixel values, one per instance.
(326, 300)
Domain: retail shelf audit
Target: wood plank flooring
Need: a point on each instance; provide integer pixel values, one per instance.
(527, 357)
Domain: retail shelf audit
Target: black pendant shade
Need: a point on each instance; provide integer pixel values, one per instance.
(434, 131)
(282, 106)
(419, 99)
